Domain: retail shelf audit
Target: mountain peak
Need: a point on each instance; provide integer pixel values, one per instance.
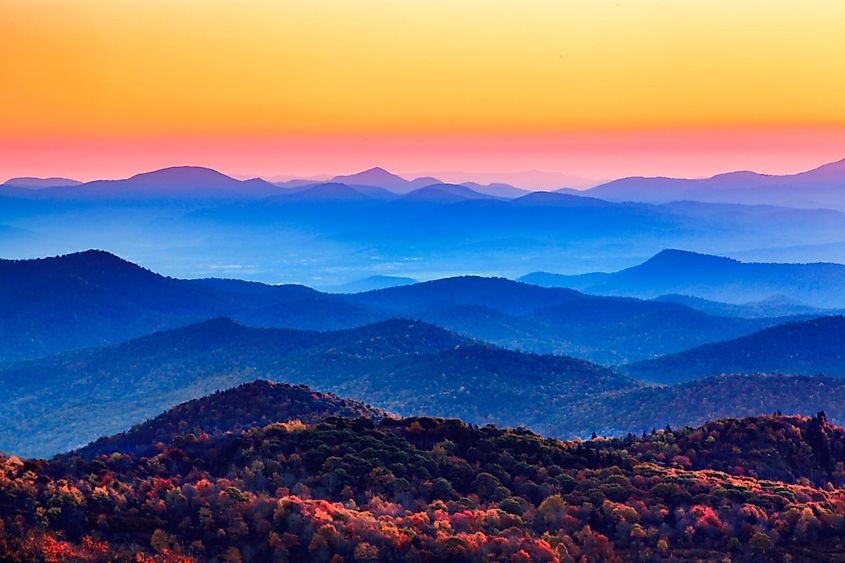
(376, 176)
(182, 176)
(678, 256)
(91, 257)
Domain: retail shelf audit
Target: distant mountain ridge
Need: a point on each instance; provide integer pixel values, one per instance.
(94, 298)
(381, 178)
(194, 182)
(711, 277)
(171, 221)
(369, 284)
(823, 186)
(40, 183)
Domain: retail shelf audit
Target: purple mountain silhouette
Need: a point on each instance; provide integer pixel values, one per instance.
(40, 183)
(378, 177)
(820, 187)
(179, 181)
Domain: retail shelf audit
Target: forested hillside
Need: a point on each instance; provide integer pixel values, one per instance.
(811, 347)
(407, 367)
(419, 489)
(258, 403)
(696, 402)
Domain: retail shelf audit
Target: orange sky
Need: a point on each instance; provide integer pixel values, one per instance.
(595, 89)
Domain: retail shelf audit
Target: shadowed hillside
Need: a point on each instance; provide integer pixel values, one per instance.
(407, 367)
(809, 347)
(94, 298)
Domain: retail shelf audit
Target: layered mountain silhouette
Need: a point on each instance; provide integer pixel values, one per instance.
(370, 283)
(774, 306)
(405, 367)
(712, 277)
(381, 178)
(810, 347)
(95, 298)
(194, 221)
(192, 182)
(513, 314)
(443, 193)
(820, 187)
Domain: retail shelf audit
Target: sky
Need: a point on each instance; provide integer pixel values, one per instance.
(596, 90)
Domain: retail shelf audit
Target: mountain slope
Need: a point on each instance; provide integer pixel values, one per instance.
(443, 193)
(790, 449)
(803, 347)
(774, 306)
(694, 402)
(711, 277)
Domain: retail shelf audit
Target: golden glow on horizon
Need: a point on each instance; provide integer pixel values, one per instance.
(284, 67)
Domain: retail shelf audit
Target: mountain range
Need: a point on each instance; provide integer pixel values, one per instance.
(409, 367)
(820, 187)
(195, 222)
(406, 367)
(716, 278)
(95, 298)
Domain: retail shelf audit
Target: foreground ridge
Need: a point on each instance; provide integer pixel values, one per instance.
(429, 489)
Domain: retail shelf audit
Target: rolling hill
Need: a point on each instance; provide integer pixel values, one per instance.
(791, 449)
(407, 367)
(369, 283)
(608, 330)
(694, 402)
(94, 298)
(257, 403)
(811, 347)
